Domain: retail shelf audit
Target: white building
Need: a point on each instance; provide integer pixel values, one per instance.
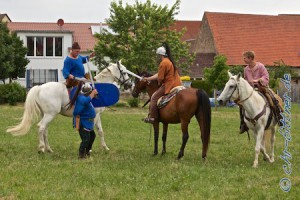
(48, 45)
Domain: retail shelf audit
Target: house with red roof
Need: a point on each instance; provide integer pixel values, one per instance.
(272, 38)
(49, 44)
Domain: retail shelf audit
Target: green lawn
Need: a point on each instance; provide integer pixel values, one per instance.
(129, 171)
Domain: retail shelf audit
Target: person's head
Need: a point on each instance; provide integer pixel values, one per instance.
(161, 53)
(86, 89)
(248, 56)
(75, 49)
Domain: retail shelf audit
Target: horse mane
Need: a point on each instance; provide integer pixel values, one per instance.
(72, 101)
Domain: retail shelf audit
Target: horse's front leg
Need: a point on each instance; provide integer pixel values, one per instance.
(259, 138)
(185, 137)
(164, 138)
(100, 132)
(156, 135)
(273, 130)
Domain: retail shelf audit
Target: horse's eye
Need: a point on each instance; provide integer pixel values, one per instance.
(231, 86)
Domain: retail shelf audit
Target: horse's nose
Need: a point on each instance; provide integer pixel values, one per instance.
(220, 101)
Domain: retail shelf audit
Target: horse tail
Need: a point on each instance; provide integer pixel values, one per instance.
(31, 113)
(203, 115)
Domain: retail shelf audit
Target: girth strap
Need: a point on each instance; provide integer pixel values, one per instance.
(254, 120)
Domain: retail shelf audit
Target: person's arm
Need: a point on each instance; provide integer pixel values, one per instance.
(152, 78)
(265, 76)
(67, 69)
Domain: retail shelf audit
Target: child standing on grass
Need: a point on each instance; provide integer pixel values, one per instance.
(84, 114)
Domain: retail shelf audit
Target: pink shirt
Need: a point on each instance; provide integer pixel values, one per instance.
(257, 72)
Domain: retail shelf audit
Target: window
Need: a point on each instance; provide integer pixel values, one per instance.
(58, 46)
(44, 46)
(41, 76)
(49, 46)
(30, 46)
(39, 46)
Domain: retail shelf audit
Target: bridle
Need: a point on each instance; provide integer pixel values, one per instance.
(121, 79)
(238, 101)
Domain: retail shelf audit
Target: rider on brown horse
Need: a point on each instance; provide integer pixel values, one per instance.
(167, 77)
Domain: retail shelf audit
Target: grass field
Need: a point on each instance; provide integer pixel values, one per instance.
(129, 171)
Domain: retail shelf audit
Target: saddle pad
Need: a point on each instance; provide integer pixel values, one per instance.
(164, 100)
(108, 94)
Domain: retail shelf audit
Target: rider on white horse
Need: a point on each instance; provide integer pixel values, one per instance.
(258, 77)
(73, 65)
(255, 73)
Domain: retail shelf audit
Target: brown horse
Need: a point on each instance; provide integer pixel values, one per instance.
(186, 104)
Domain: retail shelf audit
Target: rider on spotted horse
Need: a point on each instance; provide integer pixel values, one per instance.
(258, 77)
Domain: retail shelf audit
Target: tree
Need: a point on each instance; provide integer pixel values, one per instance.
(217, 75)
(12, 54)
(277, 71)
(136, 32)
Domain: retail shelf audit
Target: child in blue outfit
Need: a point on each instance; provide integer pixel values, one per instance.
(84, 114)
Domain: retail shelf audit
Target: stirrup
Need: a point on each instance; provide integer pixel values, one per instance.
(149, 120)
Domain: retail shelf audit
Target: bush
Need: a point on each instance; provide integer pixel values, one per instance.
(201, 84)
(12, 93)
(133, 102)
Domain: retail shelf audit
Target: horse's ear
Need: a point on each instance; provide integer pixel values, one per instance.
(120, 61)
(239, 76)
(229, 74)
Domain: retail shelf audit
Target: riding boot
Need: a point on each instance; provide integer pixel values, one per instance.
(243, 126)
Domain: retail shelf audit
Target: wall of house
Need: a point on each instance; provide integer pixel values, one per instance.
(50, 63)
(205, 41)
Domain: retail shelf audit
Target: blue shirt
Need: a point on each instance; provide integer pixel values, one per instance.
(86, 111)
(74, 66)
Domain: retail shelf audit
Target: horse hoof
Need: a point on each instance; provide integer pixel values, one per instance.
(163, 152)
(50, 151)
(41, 151)
(254, 165)
(106, 148)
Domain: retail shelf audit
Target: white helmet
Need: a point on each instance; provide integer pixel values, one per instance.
(86, 88)
(161, 51)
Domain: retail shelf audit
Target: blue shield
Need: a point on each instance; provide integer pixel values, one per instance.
(108, 94)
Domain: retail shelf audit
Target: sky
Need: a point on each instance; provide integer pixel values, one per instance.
(94, 11)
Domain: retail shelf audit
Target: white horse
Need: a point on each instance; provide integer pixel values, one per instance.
(257, 112)
(48, 100)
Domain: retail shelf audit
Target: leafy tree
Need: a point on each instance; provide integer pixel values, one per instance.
(217, 75)
(12, 54)
(277, 71)
(236, 69)
(136, 32)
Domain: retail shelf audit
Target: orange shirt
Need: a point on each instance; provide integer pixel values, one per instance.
(167, 75)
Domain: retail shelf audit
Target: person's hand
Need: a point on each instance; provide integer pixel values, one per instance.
(71, 76)
(92, 55)
(94, 93)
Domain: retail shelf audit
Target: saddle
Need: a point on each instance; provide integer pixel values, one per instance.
(274, 101)
(164, 100)
(70, 83)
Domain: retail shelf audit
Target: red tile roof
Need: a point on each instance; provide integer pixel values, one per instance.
(81, 31)
(192, 29)
(272, 38)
